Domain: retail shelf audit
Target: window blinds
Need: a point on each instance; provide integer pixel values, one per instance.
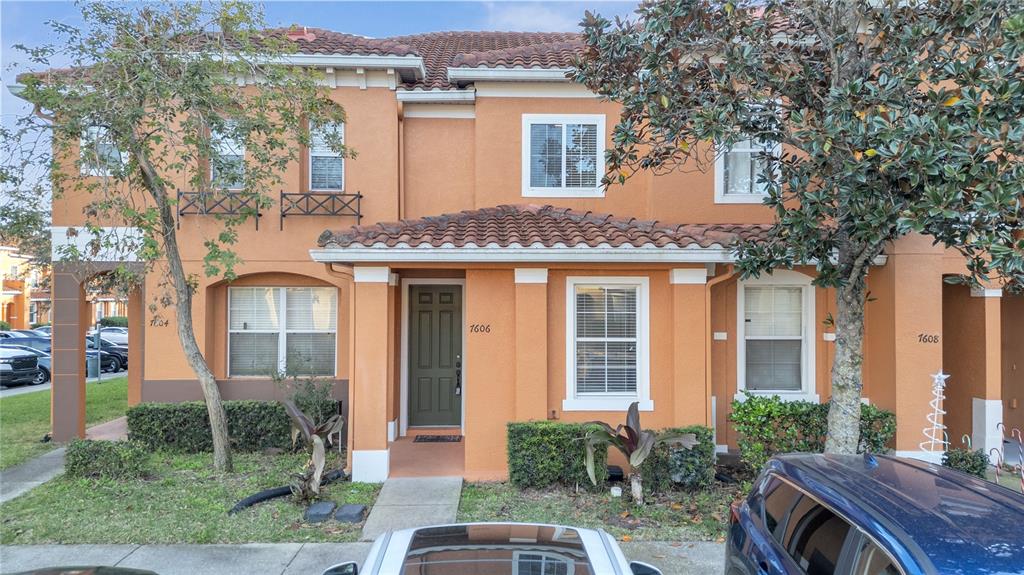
(773, 329)
(606, 339)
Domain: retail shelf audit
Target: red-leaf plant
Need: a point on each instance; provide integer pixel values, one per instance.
(634, 442)
(306, 486)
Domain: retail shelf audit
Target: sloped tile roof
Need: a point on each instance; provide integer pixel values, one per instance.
(538, 226)
(321, 41)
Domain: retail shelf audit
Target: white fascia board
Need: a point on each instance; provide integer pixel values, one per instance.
(508, 74)
(414, 63)
(436, 96)
(522, 254)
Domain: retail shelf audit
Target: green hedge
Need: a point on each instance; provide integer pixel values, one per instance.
(970, 462)
(114, 321)
(35, 325)
(252, 426)
(769, 425)
(668, 467)
(4, 326)
(106, 459)
(545, 453)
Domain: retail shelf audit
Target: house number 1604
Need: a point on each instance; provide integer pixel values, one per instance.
(927, 338)
(480, 328)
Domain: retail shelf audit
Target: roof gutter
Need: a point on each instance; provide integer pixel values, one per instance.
(437, 96)
(456, 75)
(414, 63)
(521, 255)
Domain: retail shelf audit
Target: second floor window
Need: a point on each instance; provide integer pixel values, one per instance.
(326, 166)
(99, 154)
(227, 164)
(563, 155)
(740, 172)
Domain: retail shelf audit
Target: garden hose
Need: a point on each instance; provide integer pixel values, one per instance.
(275, 492)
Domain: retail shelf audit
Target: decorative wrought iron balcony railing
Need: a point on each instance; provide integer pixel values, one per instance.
(227, 203)
(321, 204)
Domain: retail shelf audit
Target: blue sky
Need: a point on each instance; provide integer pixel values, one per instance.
(25, 23)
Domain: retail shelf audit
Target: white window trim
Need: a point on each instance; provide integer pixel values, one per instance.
(331, 154)
(721, 197)
(547, 555)
(282, 342)
(780, 278)
(214, 136)
(609, 402)
(562, 192)
(83, 141)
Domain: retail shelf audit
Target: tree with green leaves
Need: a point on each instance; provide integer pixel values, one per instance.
(159, 97)
(874, 119)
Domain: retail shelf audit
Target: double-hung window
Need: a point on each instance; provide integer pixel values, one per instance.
(326, 166)
(541, 563)
(275, 330)
(227, 164)
(607, 363)
(776, 336)
(742, 172)
(99, 153)
(563, 155)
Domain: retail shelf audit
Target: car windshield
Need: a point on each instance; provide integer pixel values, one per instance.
(33, 351)
(497, 548)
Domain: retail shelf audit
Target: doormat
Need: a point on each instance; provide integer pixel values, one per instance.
(437, 439)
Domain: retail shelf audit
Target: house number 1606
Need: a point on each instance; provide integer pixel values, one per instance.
(927, 338)
(480, 328)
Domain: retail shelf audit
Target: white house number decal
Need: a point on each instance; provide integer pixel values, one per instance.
(927, 338)
(480, 328)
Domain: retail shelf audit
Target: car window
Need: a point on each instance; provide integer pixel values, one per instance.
(873, 561)
(814, 536)
(779, 498)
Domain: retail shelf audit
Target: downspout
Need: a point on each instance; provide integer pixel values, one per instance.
(708, 339)
(401, 161)
(347, 274)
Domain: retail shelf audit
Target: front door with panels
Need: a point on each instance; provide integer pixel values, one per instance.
(435, 355)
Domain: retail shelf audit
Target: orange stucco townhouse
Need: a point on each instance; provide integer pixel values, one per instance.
(473, 272)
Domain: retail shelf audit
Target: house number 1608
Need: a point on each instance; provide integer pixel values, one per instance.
(480, 328)
(927, 338)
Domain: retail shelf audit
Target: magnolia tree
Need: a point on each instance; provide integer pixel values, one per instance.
(155, 98)
(875, 119)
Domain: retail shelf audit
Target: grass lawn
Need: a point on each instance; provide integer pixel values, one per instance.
(183, 501)
(677, 517)
(25, 418)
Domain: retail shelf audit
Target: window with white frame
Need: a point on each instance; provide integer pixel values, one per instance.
(227, 164)
(275, 330)
(776, 345)
(326, 166)
(98, 152)
(541, 563)
(607, 343)
(741, 172)
(563, 155)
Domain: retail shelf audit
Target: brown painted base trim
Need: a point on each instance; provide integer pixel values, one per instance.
(175, 390)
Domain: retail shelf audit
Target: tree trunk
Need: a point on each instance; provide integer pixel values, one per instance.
(183, 315)
(844, 412)
(636, 487)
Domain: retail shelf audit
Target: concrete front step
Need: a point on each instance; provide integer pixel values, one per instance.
(406, 502)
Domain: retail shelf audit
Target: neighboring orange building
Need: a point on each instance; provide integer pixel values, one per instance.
(492, 279)
(15, 301)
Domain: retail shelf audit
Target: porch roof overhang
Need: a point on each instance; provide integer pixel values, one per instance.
(521, 254)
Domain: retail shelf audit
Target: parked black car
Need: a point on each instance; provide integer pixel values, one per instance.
(40, 343)
(118, 351)
(17, 367)
(108, 361)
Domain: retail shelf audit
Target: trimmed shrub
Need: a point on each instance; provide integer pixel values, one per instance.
(114, 321)
(970, 462)
(670, 467)
(252, 426)
(545, 453)
(769, 425)
(35, 325)
(106, 459)
(4, 326)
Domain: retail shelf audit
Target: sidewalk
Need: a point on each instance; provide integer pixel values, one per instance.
(413, 502)
(296, 558)
(21, 478)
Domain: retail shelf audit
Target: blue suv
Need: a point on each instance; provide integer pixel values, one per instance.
(873, 515)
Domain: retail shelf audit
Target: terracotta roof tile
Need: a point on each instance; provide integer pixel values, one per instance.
(532, 225)
(321, 41)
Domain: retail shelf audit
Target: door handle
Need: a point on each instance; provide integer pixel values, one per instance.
(458, 375)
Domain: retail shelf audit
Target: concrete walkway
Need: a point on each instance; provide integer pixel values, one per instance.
(413, 502)
(21, 478)
(296, 558)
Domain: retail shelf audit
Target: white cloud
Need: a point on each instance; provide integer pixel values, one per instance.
(546, 16)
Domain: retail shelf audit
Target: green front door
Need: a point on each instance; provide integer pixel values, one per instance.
(435, 355)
